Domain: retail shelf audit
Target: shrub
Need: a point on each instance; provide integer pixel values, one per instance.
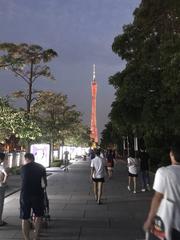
(56, 163)
(15, 170)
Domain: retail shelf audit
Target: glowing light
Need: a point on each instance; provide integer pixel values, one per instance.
(41, 153)
(94, 132)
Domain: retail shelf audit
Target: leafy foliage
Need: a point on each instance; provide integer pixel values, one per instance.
(147, 99)
(59, 121)
(27, 62)
(17, 123)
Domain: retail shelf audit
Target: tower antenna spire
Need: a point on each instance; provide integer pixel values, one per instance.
(94, 72)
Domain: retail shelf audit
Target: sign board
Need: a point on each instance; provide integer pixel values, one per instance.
(41, 153)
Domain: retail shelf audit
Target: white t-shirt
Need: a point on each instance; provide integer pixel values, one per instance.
(98, 164)
(132, 165)
(170, 186)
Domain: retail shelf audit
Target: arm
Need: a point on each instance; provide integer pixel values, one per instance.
(106, 169)
(92, 171)
(5, 176)
(44, 178)
(156, 200)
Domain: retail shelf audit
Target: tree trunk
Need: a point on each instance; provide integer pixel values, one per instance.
(51, 152)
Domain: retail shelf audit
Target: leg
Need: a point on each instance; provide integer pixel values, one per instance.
(100, 185)
(129, 183)
(38, 209)
(109, 172)
(2, 194)
(147, 179)
(143, 180)
(26, 229)
(134, 181)
(95, 187)
(37, 226)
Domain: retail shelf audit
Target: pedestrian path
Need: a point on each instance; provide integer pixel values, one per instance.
(76, 216)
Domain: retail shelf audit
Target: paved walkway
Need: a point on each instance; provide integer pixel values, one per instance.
(76, 216)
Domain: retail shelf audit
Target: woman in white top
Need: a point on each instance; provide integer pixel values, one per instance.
(98, 167)
(132, 171)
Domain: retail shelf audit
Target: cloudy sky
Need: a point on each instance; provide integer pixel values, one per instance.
(82, 32)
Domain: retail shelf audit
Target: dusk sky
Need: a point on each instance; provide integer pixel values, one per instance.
(82, 33)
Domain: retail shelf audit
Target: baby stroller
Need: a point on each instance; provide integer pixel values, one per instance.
(46, 216)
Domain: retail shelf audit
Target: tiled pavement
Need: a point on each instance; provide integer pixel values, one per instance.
(74, 213)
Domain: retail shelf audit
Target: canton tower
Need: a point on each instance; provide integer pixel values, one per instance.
(94, 132)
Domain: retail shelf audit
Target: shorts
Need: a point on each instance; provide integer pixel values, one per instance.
(35, 203)
(98, 179)
(132, 175)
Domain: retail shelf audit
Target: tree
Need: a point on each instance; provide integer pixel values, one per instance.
(147, 90)
(79, 136)
(27, 62)
(57, 119)
(16, 123)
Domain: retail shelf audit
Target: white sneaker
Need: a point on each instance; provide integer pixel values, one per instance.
(143, 190)
(134, 191)
(128, 187)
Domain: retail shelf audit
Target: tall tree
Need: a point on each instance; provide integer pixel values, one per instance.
(147, 89)
(27, 62)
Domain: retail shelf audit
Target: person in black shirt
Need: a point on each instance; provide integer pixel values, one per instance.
(144, 170)
(110, 156)
(31, 196)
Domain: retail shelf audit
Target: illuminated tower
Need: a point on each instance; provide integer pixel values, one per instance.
(94, 132)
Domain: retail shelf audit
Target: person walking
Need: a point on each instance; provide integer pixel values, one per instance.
(66, 161)
(144, 170)
(3, 179)
(110, 162)
(166, 183)
(132, 164)
(32, 195)
(98, 167)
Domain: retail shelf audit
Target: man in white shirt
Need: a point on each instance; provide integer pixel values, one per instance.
(172, 189)
(98, 167)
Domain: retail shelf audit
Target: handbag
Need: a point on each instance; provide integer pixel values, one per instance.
(162, 226)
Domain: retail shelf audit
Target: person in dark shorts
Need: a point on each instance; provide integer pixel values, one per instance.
(144, 170)
(31, 196)
(98, 167)
(110, 162)
(132, 171)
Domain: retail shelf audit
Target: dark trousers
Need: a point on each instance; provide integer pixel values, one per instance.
(144, 178)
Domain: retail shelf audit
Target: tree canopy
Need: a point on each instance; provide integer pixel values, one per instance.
(27, 62)
(147, 102)
(60, 121)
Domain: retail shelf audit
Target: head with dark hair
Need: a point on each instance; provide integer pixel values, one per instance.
(175, 150)
(131, 153)
(98, 152)
(2, 156)
(29, 156)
